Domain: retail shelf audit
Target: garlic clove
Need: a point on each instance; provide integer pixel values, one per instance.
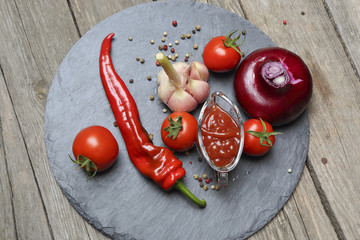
(181, 100)
(198, 89)
(198, 71)
(165, 90)
(183, 70)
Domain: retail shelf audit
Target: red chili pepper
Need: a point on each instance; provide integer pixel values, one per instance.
(157, 163)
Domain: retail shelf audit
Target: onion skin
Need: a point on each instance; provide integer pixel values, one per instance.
(273, 84)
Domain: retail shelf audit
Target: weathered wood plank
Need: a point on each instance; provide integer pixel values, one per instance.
(36, 42)
(346, 18)
(334, 109)
(7, 218)
(89, 13)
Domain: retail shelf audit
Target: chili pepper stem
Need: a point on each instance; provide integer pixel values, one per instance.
(168, 68)
(180, 186)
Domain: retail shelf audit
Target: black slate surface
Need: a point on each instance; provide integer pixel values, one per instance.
(120, 202)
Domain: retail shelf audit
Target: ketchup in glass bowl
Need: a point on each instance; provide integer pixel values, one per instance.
(220, 135)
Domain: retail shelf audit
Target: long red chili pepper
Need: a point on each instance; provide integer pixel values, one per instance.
(157, 163)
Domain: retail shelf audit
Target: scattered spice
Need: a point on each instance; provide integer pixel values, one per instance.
(170, 44)
(115, 124)
(197, 27)
(204, 175)
(207, 180)
(151, 136)
(131, 80)
(157, 63)
(182, 36)
(324, 160)
(160, 47)
(164, 110)
(190, 163)
(176, 42)
(130, 38)
(172, 50)
(165, 34)
(302, 13)
(289, 170)
(195, 46)
(137, 59)
(142, 60)
(173, 58)
(199, 179)
(212, 187)
(163, 39)
(152, 98)
(284, 22)
(148, 77)
(193, 31)
(152, 41)
(170, 57)
(243, 32)
(188, 35)
(206, 188)
(196, 176)
(201, 185)
(165, 47)
(174, 23)
(187, 55)
(186, 59)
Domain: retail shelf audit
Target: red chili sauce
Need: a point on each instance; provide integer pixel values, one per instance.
(221, 136)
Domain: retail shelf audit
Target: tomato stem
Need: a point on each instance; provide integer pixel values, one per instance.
(228, 42)
(84, 162)
(264, 136)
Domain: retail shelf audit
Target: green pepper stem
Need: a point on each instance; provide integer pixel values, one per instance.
(168, 68)
(179, 185)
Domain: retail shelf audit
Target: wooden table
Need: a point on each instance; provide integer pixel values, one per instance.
(36, 36)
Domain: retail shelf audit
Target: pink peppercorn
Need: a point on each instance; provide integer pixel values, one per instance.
(284, 22)
(172, 50)
(207, 180)
(200, 179)
(174, 23)
(165, 47)
(186, 59)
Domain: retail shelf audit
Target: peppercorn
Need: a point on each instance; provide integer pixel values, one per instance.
(196, 176)
(284, 22)
(148, 77)
(165, 47)
(151, 136)
(182, 36)
(160, 47)
(204, 175)
(164, 110)
(186, 59)
(131, 80)
(197, 27)
(152, 41)
(195, 46)
(302, 13)
(142, 60)
(174, 23)
(172, 50)
(115, 124)
(187, 55)
(212, 187)
(207, 180)
(157, 63)
(193, 31)
(137, 59)
(130, 38)
(170, 44)
(165, 34)
(243, 32)
(176, 55)
(205, 187)
(176, 42)
(201, 185)
(170, 57)
(173, 58)
(289, 170)
(163, 39)
(199, 179)
(188, 35)
(152, 97)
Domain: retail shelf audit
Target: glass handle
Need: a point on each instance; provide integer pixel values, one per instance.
(222, 179)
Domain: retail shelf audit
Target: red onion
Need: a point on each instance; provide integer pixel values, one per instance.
(273, 84)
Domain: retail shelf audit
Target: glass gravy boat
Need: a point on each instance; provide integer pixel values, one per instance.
(219, 100)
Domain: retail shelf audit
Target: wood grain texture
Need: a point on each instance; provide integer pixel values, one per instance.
(7, 218)
(334, 114)
(29, 63)
(345, 17)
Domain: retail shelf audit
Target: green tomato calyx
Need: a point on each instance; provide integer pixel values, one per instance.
(228, 42)
(264, 136)
(87, 164)
(174, 127)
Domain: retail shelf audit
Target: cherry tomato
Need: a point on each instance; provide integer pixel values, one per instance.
(97, 144)
(220, 58)
(179, 131)
(259, 137)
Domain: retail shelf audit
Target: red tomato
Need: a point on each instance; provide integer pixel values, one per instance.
(97, 144)
(257, 139)
(179, 131)
(219, 58)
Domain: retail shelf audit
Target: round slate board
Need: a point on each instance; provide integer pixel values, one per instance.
(122, 203)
